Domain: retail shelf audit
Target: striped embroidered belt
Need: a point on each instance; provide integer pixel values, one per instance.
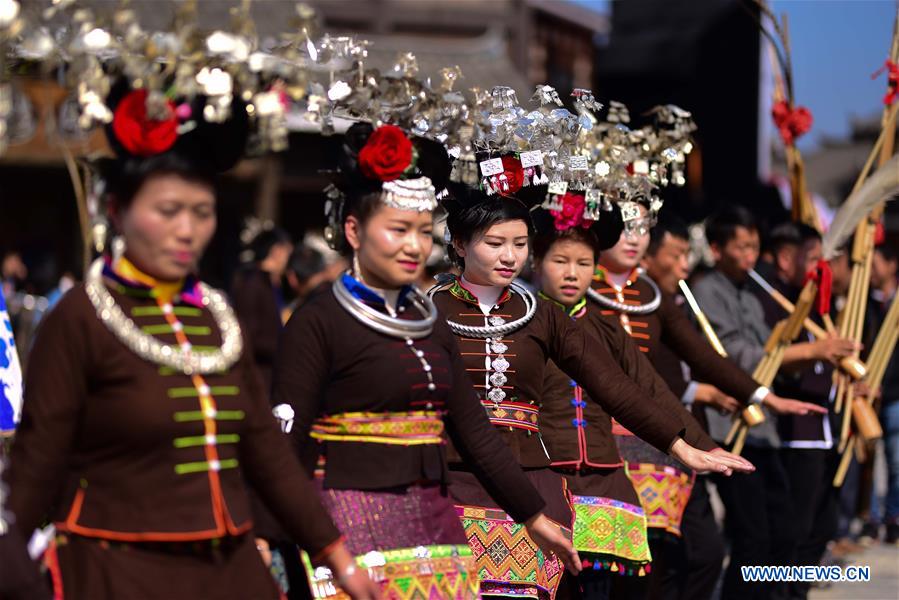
(395, 428)
(517, 415)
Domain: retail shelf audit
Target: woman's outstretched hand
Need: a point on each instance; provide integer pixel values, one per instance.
(355, 582)
(716, 461)
(550, 539)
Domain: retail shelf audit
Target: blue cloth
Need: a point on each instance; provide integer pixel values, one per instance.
(362, 292)
(10, 374)
(888, 508)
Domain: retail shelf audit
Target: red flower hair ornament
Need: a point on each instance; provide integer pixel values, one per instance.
(572, 213)
(386, 155)
(139, 134)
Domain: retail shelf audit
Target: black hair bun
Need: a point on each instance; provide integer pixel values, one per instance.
(433, 162)
(609, 227)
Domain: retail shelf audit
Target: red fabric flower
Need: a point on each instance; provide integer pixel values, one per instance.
(514, 175)
(572, 213)
(386, 154)
(792, 122)
(138, 134)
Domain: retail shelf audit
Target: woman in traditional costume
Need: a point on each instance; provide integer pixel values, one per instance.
(144, 417)
(370, 384)
(506, 336)
(610, 530)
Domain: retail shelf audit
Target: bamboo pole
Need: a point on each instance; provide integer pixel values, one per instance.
(861, 269)
(703, 321)
(852, 366)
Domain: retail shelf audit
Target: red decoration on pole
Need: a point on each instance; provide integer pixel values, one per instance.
(823, 276)
(792, 122)
(892, 70)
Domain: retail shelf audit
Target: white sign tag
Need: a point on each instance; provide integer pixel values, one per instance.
(578, 163)
(558, 187)
(493, 166)
(531, 159)
(630, 211)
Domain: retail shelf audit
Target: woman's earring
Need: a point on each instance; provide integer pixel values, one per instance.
(117, 248)
(357, 270)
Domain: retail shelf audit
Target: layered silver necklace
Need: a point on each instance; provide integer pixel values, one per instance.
(639, 309)
(384, 323)
(153, 350)
(492, 334)
(498, 326)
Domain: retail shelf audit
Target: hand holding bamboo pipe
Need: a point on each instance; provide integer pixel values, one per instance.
(851, 365)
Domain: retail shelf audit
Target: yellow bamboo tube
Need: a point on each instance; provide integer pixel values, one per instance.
(741, 441)
(845, 461)
(847, 418)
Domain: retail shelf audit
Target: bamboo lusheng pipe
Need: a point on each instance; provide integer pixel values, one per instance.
(852, 366)
(749, 416)
(781, 336)
(766, 370)
(852, 318)
(886, 142)
(858, 297)
(885, 344)
(703, 321)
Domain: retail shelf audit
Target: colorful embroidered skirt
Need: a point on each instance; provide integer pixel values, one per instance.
(610, 525)
(408, 540)
(662, 483)
(509, 563)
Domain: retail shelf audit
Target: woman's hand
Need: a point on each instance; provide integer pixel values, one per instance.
(551, 540)
(264, 551)
(352, 580)
(712, 396)
(787, 406)
(716, 461)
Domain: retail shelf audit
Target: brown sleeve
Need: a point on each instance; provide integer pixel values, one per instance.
(252, 300)
(705, 364)
(635, 364)
(272, 468)
(586, 360)
(55, 390)
(480, 445)
(301, 373)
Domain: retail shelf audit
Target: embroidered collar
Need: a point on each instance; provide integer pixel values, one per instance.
(362, 292)
(461, 292)
(132, 280)
(575, 312)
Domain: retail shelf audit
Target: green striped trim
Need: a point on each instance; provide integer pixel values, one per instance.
(166, 328)
(168, 371)
(192, 392)
(200, 440)
(134, 293)
(197, 467)
(155, 311)
(185, 416)
(201, 349)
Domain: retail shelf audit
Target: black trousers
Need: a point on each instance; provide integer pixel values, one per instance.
(759, 523)
(665, 580)
(703, 544)
(815, 505)
(687, 568)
